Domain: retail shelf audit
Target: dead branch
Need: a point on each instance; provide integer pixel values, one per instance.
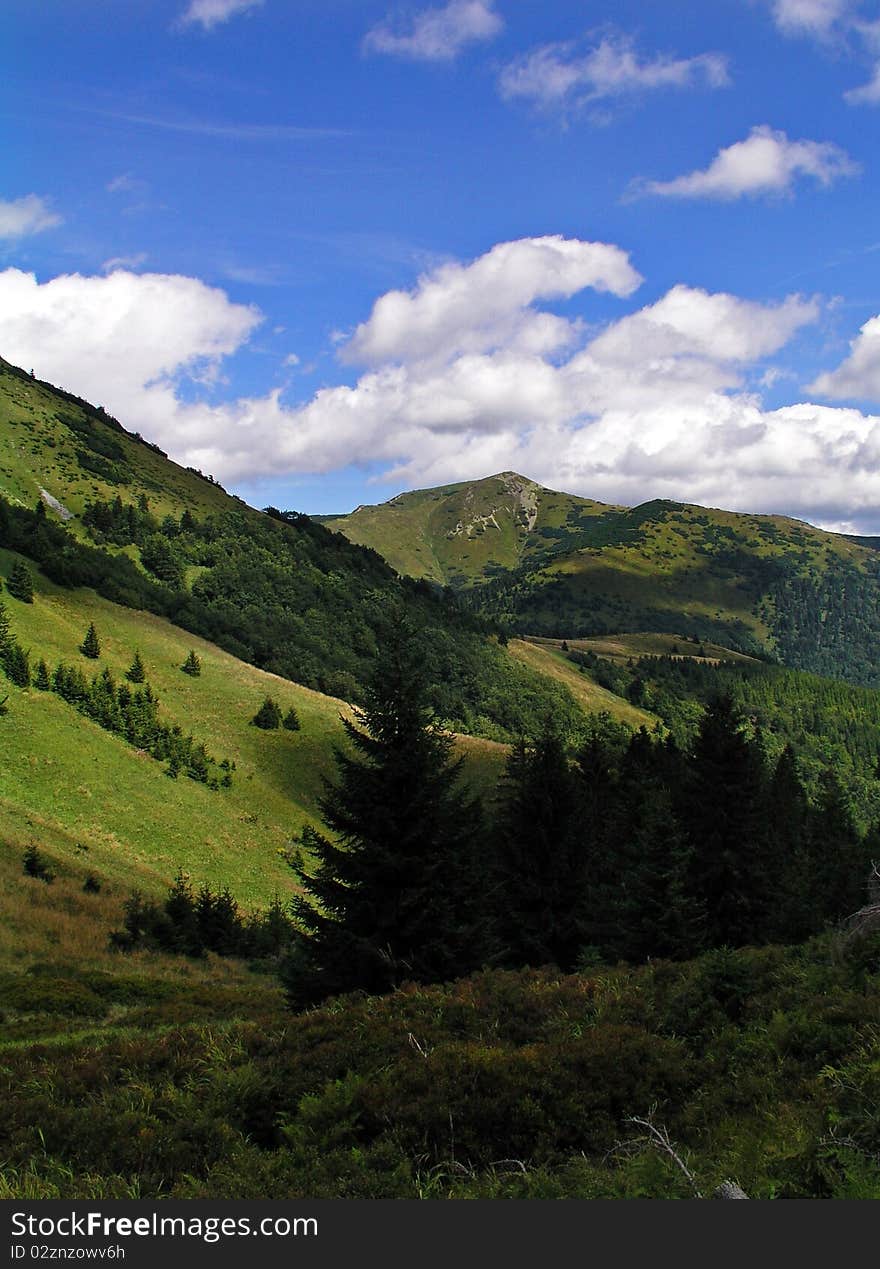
(659, 1138)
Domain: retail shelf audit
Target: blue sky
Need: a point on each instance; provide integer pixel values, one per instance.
(331, 250)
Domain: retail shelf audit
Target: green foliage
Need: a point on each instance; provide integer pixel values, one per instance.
(90, 646)
(268, 716)
(20, 583)
(760, 1064)
(191, 924)
(290, 721)
(16, 664)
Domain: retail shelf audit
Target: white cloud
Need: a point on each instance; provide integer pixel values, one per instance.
(558, 75)
(656, 404)
(123, 340)
(437, 35)
(28, 215)
(859, 375)
(810, 17)
(840, 24)
(487, 305)
(211, 13)
(767, 162)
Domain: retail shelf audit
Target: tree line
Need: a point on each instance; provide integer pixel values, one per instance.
(629, 849)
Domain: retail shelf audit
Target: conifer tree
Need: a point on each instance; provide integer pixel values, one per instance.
(41, 677)
(723, 812)
(20, 583)
(5, 630)
(788, 852)
(268, 716)
(541, 856)
(180, 912)
(192, 665)
(394, 895)
(136, 672)
(839, 864)
(91, 646)
(291, 720)
(650, 911)
(16, 663)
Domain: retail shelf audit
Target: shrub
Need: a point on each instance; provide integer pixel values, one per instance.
(36, 866)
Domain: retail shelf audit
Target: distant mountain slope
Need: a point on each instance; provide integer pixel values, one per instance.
(546, 563)
(95, 506)
(464, 534)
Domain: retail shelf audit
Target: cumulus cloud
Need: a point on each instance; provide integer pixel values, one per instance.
(211, 13)
(459, 377)
(123, 340)
(767, 162)
(859, 375)
(28, 215)
(562, 76)
(488, 304)
(437, 35)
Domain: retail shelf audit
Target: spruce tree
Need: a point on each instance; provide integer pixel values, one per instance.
(42, 679)
(16, 663)
(91, 646)
(649, 910)
(839, 864)
(788, 863)
(541, 857)
(5, 631)
(136, 672)
(192, 665)
(290, 722)
(394, 895)
(723, 813)
(268, 716)
(20, 583)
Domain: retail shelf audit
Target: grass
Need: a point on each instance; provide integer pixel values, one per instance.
(625, 646)
(39, 452)
(542, 655)
(69, 784)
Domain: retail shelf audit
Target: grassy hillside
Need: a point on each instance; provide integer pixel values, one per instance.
(624, 647)
(59, 447)
(69, 784)
(464, 534)
(548, 660)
